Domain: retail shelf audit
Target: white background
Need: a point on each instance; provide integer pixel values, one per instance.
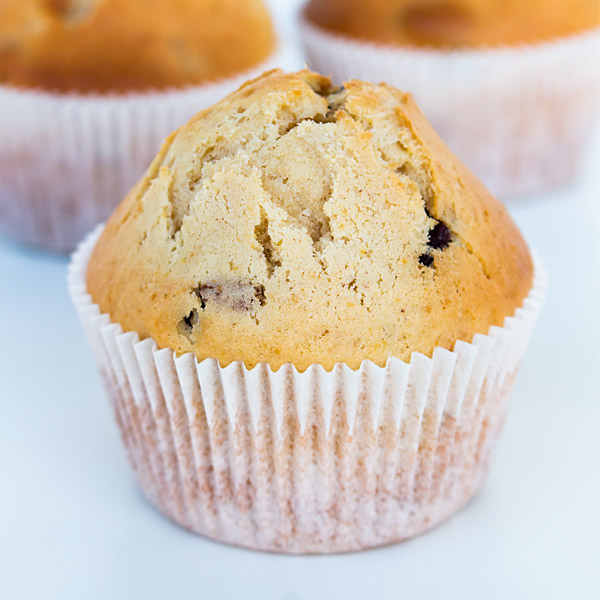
(73, 524)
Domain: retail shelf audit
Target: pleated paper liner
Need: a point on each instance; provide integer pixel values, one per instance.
(520, 117)
(66, 160)
(311, 461)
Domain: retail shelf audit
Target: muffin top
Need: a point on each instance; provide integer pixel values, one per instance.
(128, 45)
(298, 222)
(454, 23)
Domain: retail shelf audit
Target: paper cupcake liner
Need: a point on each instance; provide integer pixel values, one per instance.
(67, 160)
(311, 461)
(520, 117)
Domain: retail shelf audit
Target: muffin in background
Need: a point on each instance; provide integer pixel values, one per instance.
(323, 310)
(128, 45)
(90, 88)
(510, 86)
(454, 23)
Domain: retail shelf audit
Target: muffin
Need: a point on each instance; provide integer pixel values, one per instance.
(454, 23)
(508, 85)
(323, 314)
(89, 89)
(127, 45)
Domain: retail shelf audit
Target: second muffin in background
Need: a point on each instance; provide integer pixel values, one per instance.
(511, 86)
(323, 310)
(90, 88)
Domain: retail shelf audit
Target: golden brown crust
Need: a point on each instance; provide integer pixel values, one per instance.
(293, 222)
(125, 45)
(454, 23)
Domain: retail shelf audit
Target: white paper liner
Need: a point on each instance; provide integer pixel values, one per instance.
(67, 160)
(314, 461)
(520, 117)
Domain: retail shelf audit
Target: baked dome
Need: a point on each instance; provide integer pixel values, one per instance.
(297, 222)
(454, 23)
(124, 45)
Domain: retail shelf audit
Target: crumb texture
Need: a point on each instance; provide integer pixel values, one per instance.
(123, 45)
(455, 23)
(298, 222)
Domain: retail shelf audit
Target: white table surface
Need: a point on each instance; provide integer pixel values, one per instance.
(74, 525)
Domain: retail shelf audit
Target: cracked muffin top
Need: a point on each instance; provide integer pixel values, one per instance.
(128, 45)
(298, 222)
(454, 23)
